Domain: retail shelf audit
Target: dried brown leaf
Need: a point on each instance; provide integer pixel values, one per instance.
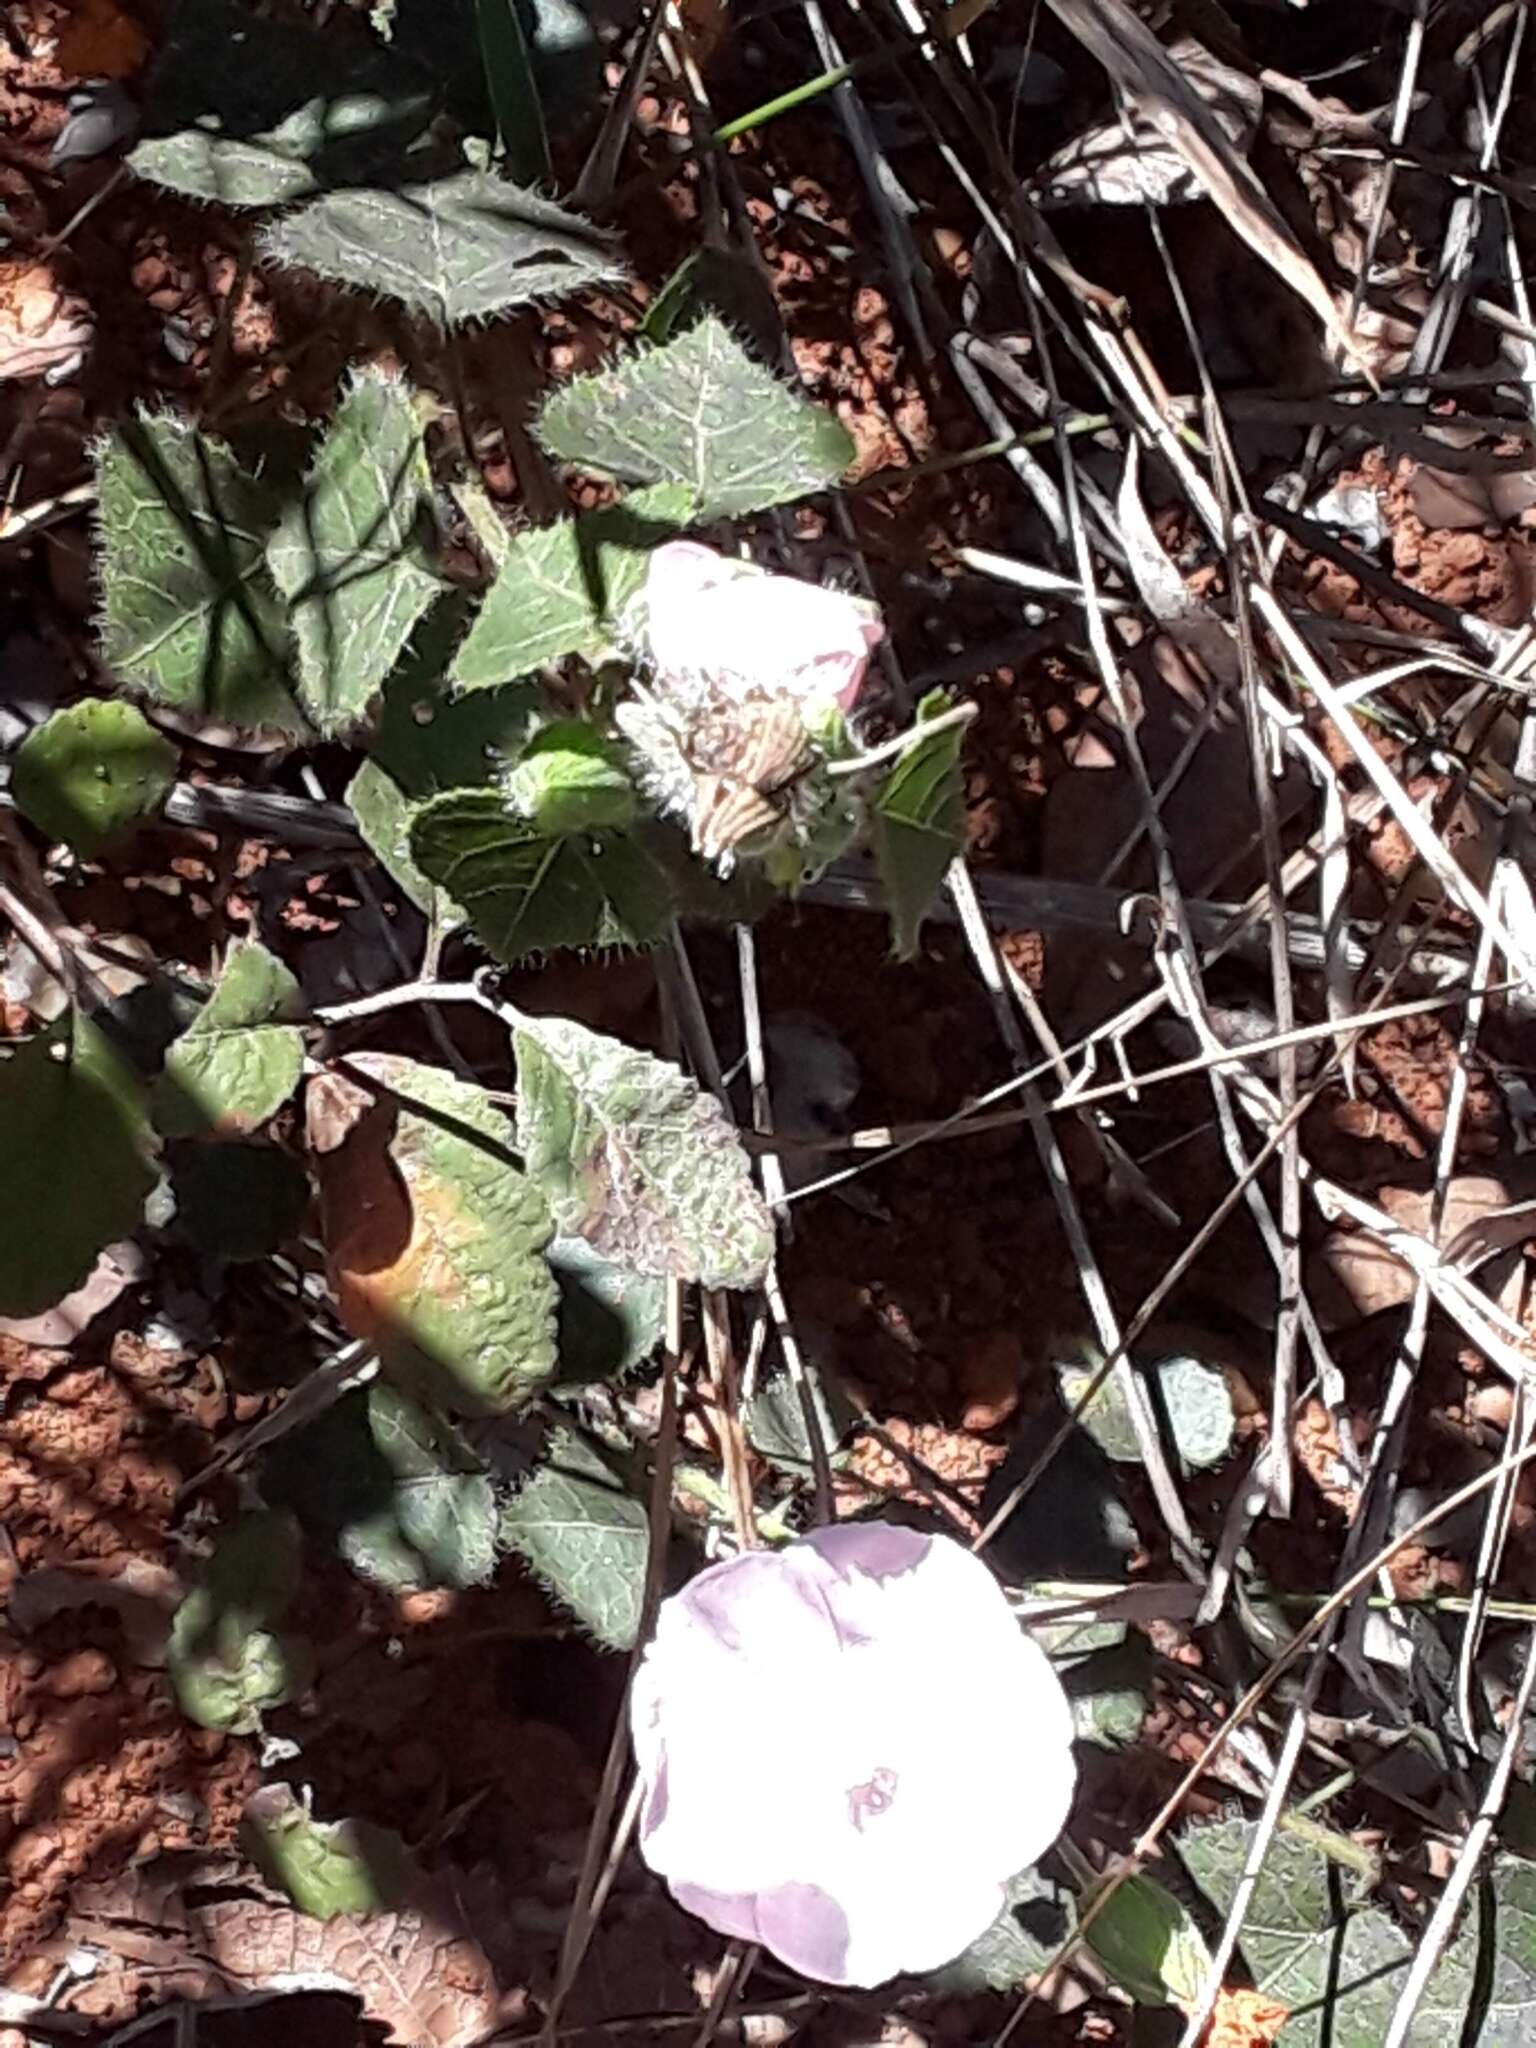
(1444, 498)
(212, 1931)
(41, 327)
(143, 1595)
(1360, 1275)
(1106, 166)
(1164, 101)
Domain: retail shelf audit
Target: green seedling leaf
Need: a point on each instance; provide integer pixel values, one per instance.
(345, 1491)
(247, 110)
(611, 1320)
(1149, 1943)
(699, 411)
(75, 1139)
(525, 892)
(571, 778)
(635, 1159)
(236, 1201)
(189, 615)
(671, 308)
(239, 1060)
(325, 1867)
(434, 1237)
(562, 588)
(513, 87)
(585, 1537)
(1194, 1396)
(776, 1426)
(461, 249)
(227, 1662)
(88, 774)
(444, 1504)
(1036, 1918)
(1339, 1963)
(917, 825)
(227, 1679)
(348, 556)
(1111, 1718)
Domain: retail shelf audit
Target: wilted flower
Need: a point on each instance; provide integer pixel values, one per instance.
(750, 676)
(847, 1747)
(747, 631)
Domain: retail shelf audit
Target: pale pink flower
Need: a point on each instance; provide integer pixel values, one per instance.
(847, 1747)
(747, 631)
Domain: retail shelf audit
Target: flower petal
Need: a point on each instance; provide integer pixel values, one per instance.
(912, 1921)
(707, 1710)
(751, 631)
(795, 1722)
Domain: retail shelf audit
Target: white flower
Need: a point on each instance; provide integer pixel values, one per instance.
(847, 1747)
(746, 631)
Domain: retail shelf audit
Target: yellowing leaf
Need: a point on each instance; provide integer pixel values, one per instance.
(434, 1236)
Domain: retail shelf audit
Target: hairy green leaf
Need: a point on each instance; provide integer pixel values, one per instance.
(610, 1319)
(435, 1240)
(75, 1140)
(247, 110)
(348, 556)
(427, 742)
(89, 773)
(239, 1060)
(917, 825)
(188, 613)
(347, 1494)
(1110, 1718)
(584, 1535)
(1339, 1964)
(444, 1503)
(228, 1664)
(571, 778)
(699, 411)
(561, 588)
(527, 893)
(325, 1867)
(462, 248)
(384, 815)
(634, 1158)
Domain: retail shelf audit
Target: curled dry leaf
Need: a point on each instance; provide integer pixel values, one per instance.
(142, 1595)
(1357, 1275)
(43, 328)
(1446, 498)
(201, 1928)
(1165, 102)
(58, 1327)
